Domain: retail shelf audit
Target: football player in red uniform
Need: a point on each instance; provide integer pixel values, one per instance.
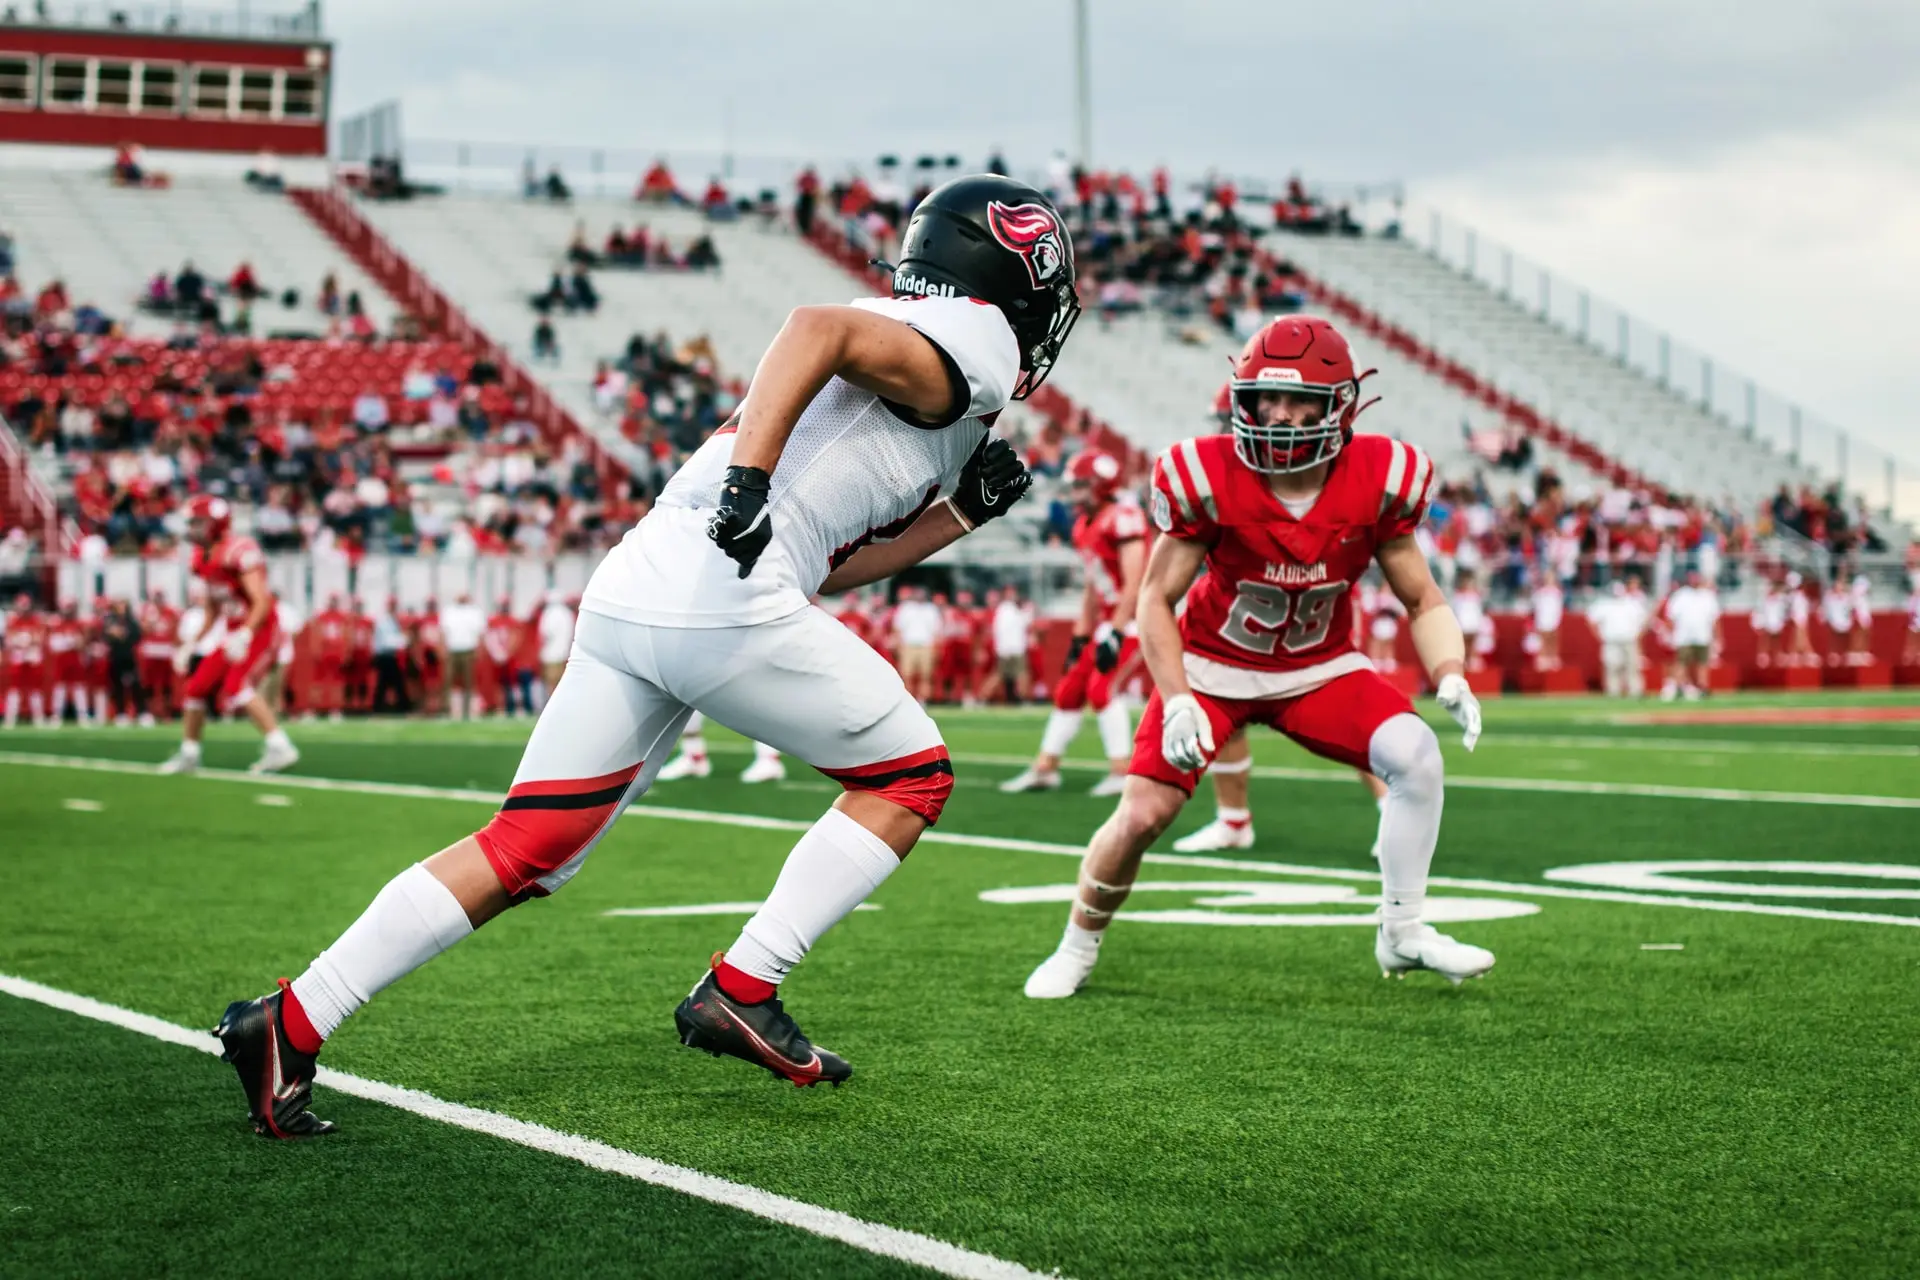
(1232, 769)
(66, 660)
(235, 571)
(159, 636)
(1285, 514)
(26, 647)
(331, 635)
(1111, 537)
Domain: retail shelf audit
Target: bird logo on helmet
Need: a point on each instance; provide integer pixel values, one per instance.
(1093, 476)
(1000, 242)
(1304, 358)
(213, 516)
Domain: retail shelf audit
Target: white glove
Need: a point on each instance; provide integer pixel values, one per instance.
(1458, 699)
(239, 640)
(182, 659)
(1186, 736)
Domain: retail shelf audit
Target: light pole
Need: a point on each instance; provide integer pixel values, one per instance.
(1083, 93)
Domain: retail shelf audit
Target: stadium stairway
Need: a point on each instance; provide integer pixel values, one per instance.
(339, 216)
(106, 242)
(1508, 353)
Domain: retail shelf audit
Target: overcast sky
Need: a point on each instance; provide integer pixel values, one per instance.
(1747, 175)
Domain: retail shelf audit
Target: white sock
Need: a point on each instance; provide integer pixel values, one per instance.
(409, 922)
(764, 754)
(1081, 940)
(1405, 755)
(1058, 735)
(456, 705)
(190, 748)
(13, 708)
(1116, 730)
(1233, 817)
(836, 866)
(279, 740)
(99, 708)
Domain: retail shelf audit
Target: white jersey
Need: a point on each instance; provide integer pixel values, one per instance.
(1862, 602)
(852, 472)
(1619, 619)
(1013, 626)
(462, 626)
(1770, 614)
(1549, 606)
(1693, 611)
(1837, 606)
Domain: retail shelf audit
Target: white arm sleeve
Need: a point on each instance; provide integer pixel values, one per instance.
(973, 335)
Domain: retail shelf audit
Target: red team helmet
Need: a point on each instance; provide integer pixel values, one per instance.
(1223, 406)
(1093, 476)
(1303, 356)
(214, 515)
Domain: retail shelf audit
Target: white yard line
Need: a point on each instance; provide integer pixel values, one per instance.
(888, 1242)
(757, 822)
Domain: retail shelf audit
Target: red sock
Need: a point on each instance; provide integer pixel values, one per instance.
(741, 985)
(294, 1020)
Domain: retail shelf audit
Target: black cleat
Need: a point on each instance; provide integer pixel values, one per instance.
(278, 1078)
(761, 1033)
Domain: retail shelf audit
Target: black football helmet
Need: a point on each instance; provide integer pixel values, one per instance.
(1002, 242)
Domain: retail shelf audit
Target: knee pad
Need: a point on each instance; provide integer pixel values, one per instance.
(1405, 754)
(920, 782)
(545, 829)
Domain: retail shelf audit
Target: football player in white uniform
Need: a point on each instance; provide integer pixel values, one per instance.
(862, 447)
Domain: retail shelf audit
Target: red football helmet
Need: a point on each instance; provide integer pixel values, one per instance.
(1303, 356)
(1093, 476)
(213, 516)
(1223, 407)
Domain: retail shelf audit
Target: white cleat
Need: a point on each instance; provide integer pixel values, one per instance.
(1062, 973)
(765, 769)
(685, 766)
(273, 759)
(1111, 785)
(1031, 780)
(146, 720)
(1421, 946)
(179, 762)
(1216, 835)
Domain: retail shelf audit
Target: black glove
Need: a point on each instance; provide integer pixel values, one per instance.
(1074, 646)
(992, 481)
(741, 527)
(1106, 648)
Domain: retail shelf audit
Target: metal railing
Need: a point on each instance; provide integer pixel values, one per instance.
(171, 19)
(1692, 376)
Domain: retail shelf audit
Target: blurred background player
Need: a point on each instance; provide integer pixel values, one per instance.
(427, 651)
(503, 642)
(462, 624)
(1693, 618)
(1799, 624)
(555, 631)
(1110, 533)
(275, 687)
(1619, 619)
(692, 761)
(1836, 610)
(1769, 621)
(239, 601)
(1910, 655)
(1549, 608)
(956, 670)
(1285, 517)
(95, 672)
(1470, 608)
(1012, 627)
(330, 644)
(159, 633)
(917, 622)
(66, 659)
(26, 649)
(120, 634)
(1860, 651)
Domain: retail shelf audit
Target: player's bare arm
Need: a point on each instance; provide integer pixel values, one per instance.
(1437, 637)
(259, 600)
(1169, 574)
(874, 352)
(937, 527)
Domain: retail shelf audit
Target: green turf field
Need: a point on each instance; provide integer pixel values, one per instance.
(1220, 1101)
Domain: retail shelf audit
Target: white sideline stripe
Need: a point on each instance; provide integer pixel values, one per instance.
(888, 1242)
(1011, 844)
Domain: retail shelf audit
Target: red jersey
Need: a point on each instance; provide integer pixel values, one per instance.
(224, 565)
(159, 631)
(331, 634)
(1098, 538)
(1277, 599)
(26, 640)
(501, 639)
(65, 637)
